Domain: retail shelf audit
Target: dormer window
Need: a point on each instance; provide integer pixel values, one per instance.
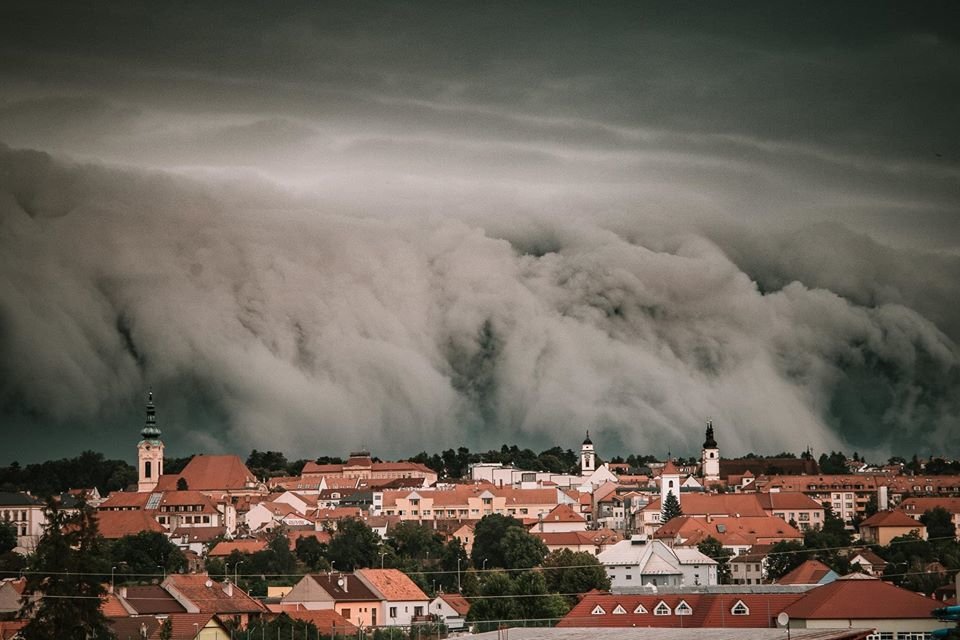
(619, 611)
(598, 611)
(640, 609)
(740, 609)
(683, 609)
(661, 609)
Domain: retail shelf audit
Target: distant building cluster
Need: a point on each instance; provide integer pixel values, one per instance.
(644, 524)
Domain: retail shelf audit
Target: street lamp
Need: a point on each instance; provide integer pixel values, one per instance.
(226, 570)
(164, 569)
(458, 575)
(382, 554)
(112, 569)
(236, 570)
(484, 568)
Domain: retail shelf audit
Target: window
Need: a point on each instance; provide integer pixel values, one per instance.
(661, 609)
(619, 611)
(629, 577)
(418, 611)
(640, 609)
(345, 613)
(740, 609)
(683, 609)
(393, 612)
(147, 469)
(598, 611)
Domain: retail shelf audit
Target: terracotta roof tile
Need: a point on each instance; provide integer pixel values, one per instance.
(213, 598)
(150, 599)
(212, 473)
(116, 524)
(891, 519)
(327, 621)
(225, 548)
(810, 572)
(713, 610)
(457, 602)
(392, 584)
(868, 598)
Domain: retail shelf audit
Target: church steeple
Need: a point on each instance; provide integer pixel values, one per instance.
(150, 450)
(710, 456)
(150, 430)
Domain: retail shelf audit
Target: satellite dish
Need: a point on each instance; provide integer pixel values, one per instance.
(340, 582)
(208, 583)
(783, 619)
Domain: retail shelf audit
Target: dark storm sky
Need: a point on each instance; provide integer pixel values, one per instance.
(406, 226)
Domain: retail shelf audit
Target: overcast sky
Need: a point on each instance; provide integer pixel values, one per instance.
(410, 226)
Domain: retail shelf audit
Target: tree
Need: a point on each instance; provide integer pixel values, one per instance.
(488, 540)
(68, 569)
(671, 508)
(138, 556)
(784, 557)
(712, 548)
(8, 537)
(414, 541)
(453, 562)
(312, 553)
(939, 523)
(182, 484)
(522, 550)
(574, 572)
(353, 546)
(491, 607)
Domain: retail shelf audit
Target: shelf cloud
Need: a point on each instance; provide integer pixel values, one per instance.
(411, 228)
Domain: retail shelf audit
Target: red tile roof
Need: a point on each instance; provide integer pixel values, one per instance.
(350, 590)
(150, 599)
(392, 584)
(211, 473)
(125, 499)
(116, 524)
(749, 530)
(892, 519)
(787, 500)
(9, 629)
(810, 572)
(700, 504)
(182, 626)
(111, 607)
(211, 596)
(327, 621)
(707, 610)
(457, 602)
(563, 513)
(863, 598)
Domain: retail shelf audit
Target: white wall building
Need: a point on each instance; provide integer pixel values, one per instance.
(641, 561)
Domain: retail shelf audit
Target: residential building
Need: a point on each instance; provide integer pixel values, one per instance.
(729, 610)
(592, 542)
(183, 626)
(198, 593)
(798, 509)
(702, 505)
(809, 573)
(25, 513)
(360, 465)
(451, 609)
(471, 502)
(750, 567)
(736, 534)
(561, 518)
(847, 495)
(884, 526)
(861, 601)
(402, 601)
(869, 562)
(916, 507)
(344, 593)
(641, 561)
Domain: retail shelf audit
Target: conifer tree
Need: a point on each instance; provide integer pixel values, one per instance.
(671, 508)
(67, 573)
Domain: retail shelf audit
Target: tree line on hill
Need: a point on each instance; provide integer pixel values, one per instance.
(92, 469)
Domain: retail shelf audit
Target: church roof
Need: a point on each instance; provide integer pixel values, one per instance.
(211, 473)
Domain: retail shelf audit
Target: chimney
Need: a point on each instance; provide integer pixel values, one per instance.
(228, 588)
(123, 592)
(345, 585)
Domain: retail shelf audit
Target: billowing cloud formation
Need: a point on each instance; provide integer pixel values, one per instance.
(320, 226)
(308, 330)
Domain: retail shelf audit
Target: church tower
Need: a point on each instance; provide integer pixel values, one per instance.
(149, 451)
(588, 460)
(710, 456)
